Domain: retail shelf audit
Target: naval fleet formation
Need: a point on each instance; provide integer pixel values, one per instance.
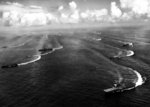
(118, 86)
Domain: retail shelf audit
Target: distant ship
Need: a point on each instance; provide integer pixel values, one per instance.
(4, 46)
(127, 44)
(121, 54)
(45, 49)
(118, 87)
(9, 66)
(113, 90)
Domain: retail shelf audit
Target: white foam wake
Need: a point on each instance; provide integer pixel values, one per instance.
(130, 53)
(131, 44)
(37, 57)
(46, 53)
(97, 33)
(60, 47)
(98, 39)
(127, 53)
(127, 43)
(139, 80)
(54, 49)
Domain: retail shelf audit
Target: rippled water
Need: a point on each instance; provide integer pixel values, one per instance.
(77, 70)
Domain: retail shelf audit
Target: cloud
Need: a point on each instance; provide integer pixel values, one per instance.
(75, 16)
(126, 16)
(94, 15)
(60, 8)
(115, 11)
(73, 5)
(130, 10)
(139, 7)
(70, 15)
(15, 14)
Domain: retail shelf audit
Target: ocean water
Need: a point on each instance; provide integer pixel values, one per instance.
(77, 69)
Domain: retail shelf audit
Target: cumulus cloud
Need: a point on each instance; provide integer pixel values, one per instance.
(126, 16)
(73, 5)
(94, 15)
(75, 16)
(60, 8)
(64, 18)
(139, 7)
(16, 14)
(71, 15)
(115, 11)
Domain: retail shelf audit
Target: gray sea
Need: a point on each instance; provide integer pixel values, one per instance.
(76, 69)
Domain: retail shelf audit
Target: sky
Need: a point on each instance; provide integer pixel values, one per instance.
(43, 12)
(99, 3)
(82, 4)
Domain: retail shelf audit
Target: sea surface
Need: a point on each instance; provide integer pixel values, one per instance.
(77, 68)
